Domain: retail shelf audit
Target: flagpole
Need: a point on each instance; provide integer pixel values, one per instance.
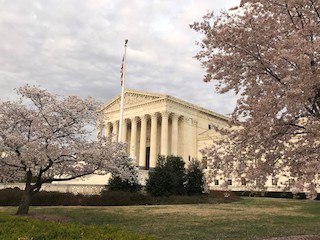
(122, 90)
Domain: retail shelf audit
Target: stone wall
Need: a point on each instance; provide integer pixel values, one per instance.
(85, 189)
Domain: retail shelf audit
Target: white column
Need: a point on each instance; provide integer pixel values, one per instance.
(115, 130)
(133, 140)
(108, 129)
(190, 138)
(164, 133)
(185, 139)
(153, 140)
(143, 141)
(175, 132)
(195, 139)
(124, 131)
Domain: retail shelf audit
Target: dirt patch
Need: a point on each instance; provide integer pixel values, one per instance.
(303, 237)
(211, 211)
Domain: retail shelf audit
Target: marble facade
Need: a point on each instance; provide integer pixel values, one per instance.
(161, 124)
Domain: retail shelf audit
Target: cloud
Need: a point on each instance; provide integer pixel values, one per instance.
(75, 48)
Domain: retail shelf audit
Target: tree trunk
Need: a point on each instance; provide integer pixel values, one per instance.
(26, 196)
(25, 202)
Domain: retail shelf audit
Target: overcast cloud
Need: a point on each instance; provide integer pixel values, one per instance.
(75, 47)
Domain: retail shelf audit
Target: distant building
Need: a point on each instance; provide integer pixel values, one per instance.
(161, 124)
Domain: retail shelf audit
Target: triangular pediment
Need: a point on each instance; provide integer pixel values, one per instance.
(132, 98)
(139, 98)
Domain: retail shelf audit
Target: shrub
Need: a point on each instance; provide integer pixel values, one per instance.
(121, 198)
(175, 165)
(167, 178)
(10, 196)
(117, 184)
(160, 182)
(90, 200)
(45, 198)
(194, 184)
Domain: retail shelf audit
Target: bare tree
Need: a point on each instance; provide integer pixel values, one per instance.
(268, 52)
(45, 138)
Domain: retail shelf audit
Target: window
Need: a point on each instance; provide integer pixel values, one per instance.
(229, 182)
(209, 126)
(291, 182)
(243, 181)
(216, 182)
(204, 162)
(274, 182)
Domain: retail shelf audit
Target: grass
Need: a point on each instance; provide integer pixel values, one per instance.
(26, 228)
(250, 218)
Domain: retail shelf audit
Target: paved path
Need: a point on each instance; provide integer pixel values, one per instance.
(302, 237)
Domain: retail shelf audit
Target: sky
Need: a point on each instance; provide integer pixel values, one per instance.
(75, 47)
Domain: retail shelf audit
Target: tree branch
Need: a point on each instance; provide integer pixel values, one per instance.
(69, 178)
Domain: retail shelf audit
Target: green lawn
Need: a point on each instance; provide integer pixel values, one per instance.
(250, 218)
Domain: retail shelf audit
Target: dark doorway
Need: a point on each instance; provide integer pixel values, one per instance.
(147, 158)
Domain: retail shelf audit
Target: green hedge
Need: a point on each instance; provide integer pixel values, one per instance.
(273, 194)
(11, 197)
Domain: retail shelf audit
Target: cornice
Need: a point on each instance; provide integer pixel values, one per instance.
(129, 91)
(161, 98)
(136, 106)
(198, 108)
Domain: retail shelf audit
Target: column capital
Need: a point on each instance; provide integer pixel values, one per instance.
(143, 117)
(186, 119)
(115, 122)
(154, 115)
(165, 114)
(134, 119)
(175, 116)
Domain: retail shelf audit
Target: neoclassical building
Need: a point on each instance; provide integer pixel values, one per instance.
(161, 124)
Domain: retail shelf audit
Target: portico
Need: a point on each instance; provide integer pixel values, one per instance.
(159, 124)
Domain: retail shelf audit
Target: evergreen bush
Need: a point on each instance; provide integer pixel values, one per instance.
(167, 178)
(117, 184)
(194, 178)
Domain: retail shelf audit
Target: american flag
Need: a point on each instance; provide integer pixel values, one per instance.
(121, 70)
(122, 65)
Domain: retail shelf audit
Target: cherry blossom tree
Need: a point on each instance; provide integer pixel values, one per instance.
(46, 137)
(267, 52)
